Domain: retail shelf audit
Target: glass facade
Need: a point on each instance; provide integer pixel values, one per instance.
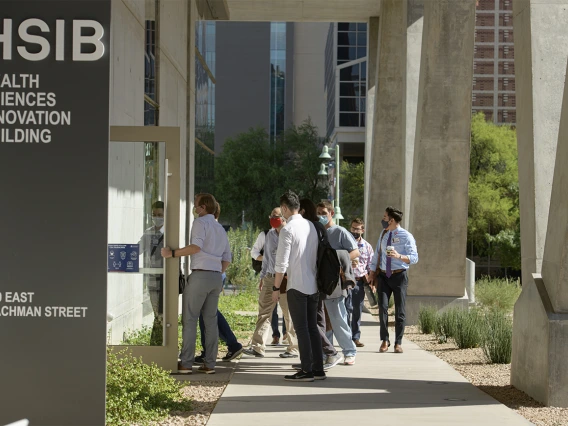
(330, 80)
(204, 106)
(277, 78)
(352, 68)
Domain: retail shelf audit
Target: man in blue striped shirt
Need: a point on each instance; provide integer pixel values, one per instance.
(389, 273)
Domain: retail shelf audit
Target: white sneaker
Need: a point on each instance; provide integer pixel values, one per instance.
(349, 360)
(332, 361)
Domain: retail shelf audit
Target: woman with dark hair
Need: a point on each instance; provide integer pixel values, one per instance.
(309, 211)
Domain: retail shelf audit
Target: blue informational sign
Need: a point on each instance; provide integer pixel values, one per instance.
(123, 257)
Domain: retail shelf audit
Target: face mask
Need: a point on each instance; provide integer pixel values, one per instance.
(158, 221)
(356, 235)
(385, 224)
(276, 222)
(324, 220)
(195, 213)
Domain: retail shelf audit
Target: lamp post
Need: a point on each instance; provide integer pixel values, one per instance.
(325, 156)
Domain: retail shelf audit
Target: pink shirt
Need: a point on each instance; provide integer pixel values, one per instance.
(365, 259)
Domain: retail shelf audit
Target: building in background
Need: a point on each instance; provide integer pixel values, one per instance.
(269, 75)
(205, 58)
(346, 88)
(494, 62)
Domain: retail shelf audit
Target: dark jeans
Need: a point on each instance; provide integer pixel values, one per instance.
(303, 310)
(225, 334)
(397, 284)
(274, 323)
(327, 347)
(354, 306)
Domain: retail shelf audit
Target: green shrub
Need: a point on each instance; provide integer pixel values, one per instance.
(140, 393)
(427, 319)
(497, 293)
(469, 329)
(446, 325)
(498, 337)
(240, 272)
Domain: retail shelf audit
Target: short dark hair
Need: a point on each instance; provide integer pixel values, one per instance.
(158, 205)
(290, 200)
(326, 205)
(310, 211)
(395, 214)
(358, 221)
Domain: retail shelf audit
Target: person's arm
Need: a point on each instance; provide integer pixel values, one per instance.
(226, 257)
(374, 266)
(354, 254)
(370, 258)
(257, 247)
(198, 234)
(224, 265)
(282, 260)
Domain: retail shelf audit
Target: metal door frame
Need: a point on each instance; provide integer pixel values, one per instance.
(166, 355)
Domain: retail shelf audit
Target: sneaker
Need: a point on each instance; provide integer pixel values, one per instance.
(232, 355)
(252, 352)
(275, 341)
(300, 376)
(332, 361)
(206, 370)
(183, 370)
(349, 360)
(288, 355)
(319, 375)
(200, 359)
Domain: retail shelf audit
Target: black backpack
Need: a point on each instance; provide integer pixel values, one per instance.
(257, 264)
(328, 266)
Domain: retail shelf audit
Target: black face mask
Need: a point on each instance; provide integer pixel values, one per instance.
(385, 224)
(356, 235)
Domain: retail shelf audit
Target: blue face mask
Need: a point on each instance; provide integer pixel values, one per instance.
(324, 220)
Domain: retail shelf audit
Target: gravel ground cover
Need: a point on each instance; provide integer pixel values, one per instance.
(494, 379)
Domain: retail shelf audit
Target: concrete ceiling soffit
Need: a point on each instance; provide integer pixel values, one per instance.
(212, 10)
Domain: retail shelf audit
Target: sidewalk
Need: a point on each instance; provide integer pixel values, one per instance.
(414, 388)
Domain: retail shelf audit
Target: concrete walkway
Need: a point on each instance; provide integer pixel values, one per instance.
(414, 388)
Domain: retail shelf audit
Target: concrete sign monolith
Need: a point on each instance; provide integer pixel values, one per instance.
(54, 124)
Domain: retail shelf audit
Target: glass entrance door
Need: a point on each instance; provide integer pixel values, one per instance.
(143, 217)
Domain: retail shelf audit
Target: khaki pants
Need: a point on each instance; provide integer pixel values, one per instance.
(263, 327)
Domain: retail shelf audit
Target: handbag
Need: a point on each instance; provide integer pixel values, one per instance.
(181, 281)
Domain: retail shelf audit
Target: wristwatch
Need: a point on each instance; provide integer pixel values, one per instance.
(275, 288)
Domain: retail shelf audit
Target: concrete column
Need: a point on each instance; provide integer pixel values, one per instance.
(439, 199)
(541, 313)
(415, 24)
(386, 180)
(192, 17)
(372, 76)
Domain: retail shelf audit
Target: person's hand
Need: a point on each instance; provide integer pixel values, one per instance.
(275, 296)
(355, 263)
(371, 280)
(260, 285)
(394, 254)
(166, 252)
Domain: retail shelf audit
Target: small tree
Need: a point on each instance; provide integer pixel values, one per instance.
(352, 186)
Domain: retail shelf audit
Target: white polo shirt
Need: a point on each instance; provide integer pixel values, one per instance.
(297, 254)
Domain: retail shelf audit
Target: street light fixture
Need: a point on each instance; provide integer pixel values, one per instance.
(325, 156)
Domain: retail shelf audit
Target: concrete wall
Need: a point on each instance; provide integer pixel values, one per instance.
(242, 92)
(309, 71)
(126, 299)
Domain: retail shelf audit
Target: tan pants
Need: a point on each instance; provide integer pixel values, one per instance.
(263, 327)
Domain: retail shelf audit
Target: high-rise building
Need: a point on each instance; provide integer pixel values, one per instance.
(269, 75)
(494, 62)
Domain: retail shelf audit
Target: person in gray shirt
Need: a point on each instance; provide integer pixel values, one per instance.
(339, 239)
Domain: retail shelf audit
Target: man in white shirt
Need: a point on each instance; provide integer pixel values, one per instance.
(210, 257)
(297, 255)
(265, 303)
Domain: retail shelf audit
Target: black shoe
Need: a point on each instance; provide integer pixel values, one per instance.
(232, 355)
(252, 352)
(288, 355)
(199, 359)
(319, 375)
(300, 376)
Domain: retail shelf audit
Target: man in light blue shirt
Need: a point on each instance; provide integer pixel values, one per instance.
(389, 273)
